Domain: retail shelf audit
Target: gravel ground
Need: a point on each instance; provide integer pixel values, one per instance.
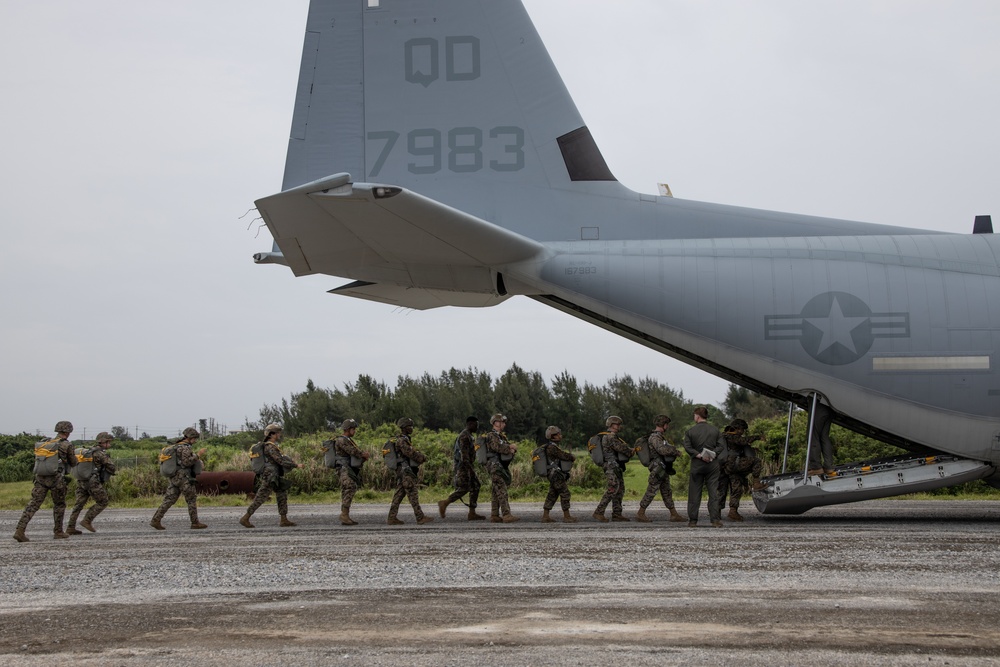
(879, 583)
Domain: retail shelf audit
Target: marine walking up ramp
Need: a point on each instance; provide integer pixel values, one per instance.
(795, 493)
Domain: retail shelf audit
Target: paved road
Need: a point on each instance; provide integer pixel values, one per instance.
(881, 583)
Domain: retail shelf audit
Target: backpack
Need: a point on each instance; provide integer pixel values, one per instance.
(481, 451)
(47, 461)
(168, 461)
(595, 448)
(84, 464)
(539, 461)
(330, 454)
(257, 461)
(642, 449)
(392, 459)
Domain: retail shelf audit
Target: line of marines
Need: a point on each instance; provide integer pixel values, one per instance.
(721, 463)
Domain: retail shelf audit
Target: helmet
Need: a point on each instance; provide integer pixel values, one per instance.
(551, 431)
(661, 420)
(497, 418)
(403, 422)
(348, 423)
(190, 432)
(104, 436)
(64, 427)
(613, 420)
(738, 424)
(271, 428)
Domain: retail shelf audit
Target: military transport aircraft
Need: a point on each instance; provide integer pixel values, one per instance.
(437, 159)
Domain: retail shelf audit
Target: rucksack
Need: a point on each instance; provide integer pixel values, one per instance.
(47, 458)
(481, 451)
(540, 461)
(642, 449)
(84, 464)
(595, 448)
(168, 461)
(257, 459)
(330, 453)
(392, 459)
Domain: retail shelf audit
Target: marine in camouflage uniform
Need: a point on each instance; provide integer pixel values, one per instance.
(558, 478)
(182, 483)
(347, 452)
(499, 454)
(466, 480)
(407, 466)
(51, 483)
(94, 486)
(661, 459)
(275, 465)
(614, 471)
(741, 461)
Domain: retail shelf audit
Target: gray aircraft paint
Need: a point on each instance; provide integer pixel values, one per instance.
(457, 100)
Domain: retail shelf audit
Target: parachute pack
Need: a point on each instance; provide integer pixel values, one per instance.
(330, 454)
(392, 459)
(46, 457)
(168, 461)
(597, 450)
(256, 454)
(541, 465)
(84, 463)
(481, 451)
(642, 449)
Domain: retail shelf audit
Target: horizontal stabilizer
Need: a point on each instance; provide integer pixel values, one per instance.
(389, 236)
(416, 298)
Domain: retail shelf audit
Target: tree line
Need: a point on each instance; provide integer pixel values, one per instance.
(442, 402)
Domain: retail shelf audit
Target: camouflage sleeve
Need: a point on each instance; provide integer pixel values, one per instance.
(660, 445)
(346, 447)
(103, 461)
(67, 454)
(404, 447)
(495, 443)
(554, 452)
(273, 453)
(467, 448)
(186, 458)
(614, 443)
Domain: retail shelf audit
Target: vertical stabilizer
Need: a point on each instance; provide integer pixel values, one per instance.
(456, 99)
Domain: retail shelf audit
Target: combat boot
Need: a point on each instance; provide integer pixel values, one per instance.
(71, 530)
(734, 515)
(510, 518)
(86, 524)
(245, 521)
(155, 523)
(641, 517)
(475, 517)
(600, 517)
(716, 524)
(198, 525)
(567, 518)
(443, 507)
(424, 519)
(286, 523)
(345, 519)
(546, 518)
(59, 535)
(20, 536)
(393, 521)
(619, 518)
(495, 518)
(675, 516)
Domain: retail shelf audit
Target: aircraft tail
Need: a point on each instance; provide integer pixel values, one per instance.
(455, 99)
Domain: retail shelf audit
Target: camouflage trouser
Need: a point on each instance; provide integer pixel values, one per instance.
(659, 482)
(91, 488)
(407, 488)
(264, 493)
(465, 482)
(499, 502)
(182, 483)
(43, 484)
(733, 480)
(348, 487)
(558, 488)
(615, 492)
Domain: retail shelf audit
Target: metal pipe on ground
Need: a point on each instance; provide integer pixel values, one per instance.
(226, 482)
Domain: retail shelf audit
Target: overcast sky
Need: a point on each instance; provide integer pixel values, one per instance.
(135, 134)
